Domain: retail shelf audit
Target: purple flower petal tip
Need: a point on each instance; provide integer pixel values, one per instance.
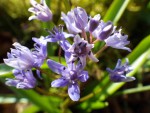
(40, 10)
(120, 71)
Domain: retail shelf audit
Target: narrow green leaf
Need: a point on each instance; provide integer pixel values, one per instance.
(116, 10)
(91, 105)
(133, 90)
(43, 102)
(140, 49)
(31, 109)
(98, 105)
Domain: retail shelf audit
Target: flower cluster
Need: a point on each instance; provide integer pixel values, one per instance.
(85, 31)
(120, 71)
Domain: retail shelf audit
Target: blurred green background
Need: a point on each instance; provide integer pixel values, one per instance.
(134, 18)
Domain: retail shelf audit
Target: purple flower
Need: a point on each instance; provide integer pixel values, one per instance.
(57, 34)
(118, 40)
(104, 30)
(22, 80)
(93, 23)
(20, 58)
(41, 11)
(40, 50)
(69, 77)
(76, 20)
(81, 49)
(120, 71)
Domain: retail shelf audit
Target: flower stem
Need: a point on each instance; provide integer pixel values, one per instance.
(49, 93)
(45, 72)
(95, 41)
(65, 105)
(133, 90)
(90, 95)
(91, 38)
(101, 50)
(59, 54)
(84, 35)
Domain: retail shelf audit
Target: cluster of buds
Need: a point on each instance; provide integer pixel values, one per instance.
(78, 24)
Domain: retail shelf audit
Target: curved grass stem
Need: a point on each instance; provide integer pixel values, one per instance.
(101, 50)
(49, 93)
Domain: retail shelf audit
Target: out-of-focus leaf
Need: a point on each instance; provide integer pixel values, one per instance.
(67, 5)
(147, 64)
(48, 2)
(88, 106)
(7, 99)
(31, 109)
(48, 104)
(98, 105)
(47, 26)
(5, 70)
(15, 12)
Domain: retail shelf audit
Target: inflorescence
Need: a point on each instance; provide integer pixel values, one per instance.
(78, 24)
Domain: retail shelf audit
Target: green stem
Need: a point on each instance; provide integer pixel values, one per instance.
(83, 34)
(95, 41)
(120, 12)
(98, 90)
(45, 72)
(101, 50)
(91, 38)
(133, 90)
(90, 95)
(59, 54)
(65, 105)
(50, 94)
